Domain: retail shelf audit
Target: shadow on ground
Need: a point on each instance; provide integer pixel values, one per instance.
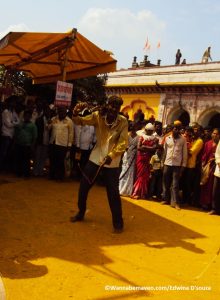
(34, 224)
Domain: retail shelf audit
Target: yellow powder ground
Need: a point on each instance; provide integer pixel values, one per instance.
(45, 257)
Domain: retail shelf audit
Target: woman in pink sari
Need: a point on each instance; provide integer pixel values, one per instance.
(147, 145)
(209, 155)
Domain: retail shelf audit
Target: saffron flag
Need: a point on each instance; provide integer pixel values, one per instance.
(158, 45)
(146, 44)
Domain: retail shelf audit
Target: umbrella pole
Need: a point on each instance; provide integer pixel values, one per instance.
(72, 38)
(65, 64)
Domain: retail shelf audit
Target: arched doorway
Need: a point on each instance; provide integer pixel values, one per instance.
(138, 104)
(179, 114)
(184, 118)
(210, 117)
(214, 122)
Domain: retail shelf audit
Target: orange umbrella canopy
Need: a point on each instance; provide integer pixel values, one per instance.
(48, 57)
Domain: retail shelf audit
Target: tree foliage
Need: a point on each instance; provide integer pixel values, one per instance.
(13, 81)
(89, 89)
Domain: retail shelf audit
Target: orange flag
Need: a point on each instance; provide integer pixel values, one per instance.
(158, 45)
(146, 44)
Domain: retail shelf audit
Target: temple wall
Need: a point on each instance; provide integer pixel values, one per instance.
(200, 108)
(169, 91)
(149, 104)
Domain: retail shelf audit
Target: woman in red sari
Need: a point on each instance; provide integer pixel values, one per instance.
(209, 155)
(147, 145)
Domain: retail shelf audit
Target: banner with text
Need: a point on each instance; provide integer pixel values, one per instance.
(63, 93)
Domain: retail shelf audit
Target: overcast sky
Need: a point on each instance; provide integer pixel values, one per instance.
(123, 26)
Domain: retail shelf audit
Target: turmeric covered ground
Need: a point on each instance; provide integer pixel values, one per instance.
(162, 253)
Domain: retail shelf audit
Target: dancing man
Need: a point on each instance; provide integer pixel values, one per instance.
(112, 140)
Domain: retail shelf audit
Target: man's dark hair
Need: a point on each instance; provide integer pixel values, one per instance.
(117, 100)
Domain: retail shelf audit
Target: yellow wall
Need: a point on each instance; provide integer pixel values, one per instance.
(149, 107)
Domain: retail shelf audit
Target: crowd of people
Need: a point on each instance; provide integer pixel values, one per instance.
(173, 164)
(38, 139)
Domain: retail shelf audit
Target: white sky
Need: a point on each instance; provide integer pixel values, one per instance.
(123, 26)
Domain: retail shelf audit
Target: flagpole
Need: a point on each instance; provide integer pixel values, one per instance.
(148, 48)
(158, 51)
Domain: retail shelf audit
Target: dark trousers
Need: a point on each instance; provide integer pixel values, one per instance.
(84, 157)
(111, 178)
(216, 195)
(22, 160)
(57, 156)
(5, 144)
(155, 185)
(171, 176)
(188, 185)
(196, 187)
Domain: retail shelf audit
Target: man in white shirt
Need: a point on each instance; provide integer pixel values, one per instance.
(60, 143)
(9, 120)
(175, 160)
(216, 186)
(85, 139)
(207, 55)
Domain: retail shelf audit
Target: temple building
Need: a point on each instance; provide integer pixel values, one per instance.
(188, 92)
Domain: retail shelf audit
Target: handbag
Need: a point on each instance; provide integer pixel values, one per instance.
(205, 173)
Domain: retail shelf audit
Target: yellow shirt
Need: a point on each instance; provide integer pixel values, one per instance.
(111, 140)
(62, 132)
(193, 152)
